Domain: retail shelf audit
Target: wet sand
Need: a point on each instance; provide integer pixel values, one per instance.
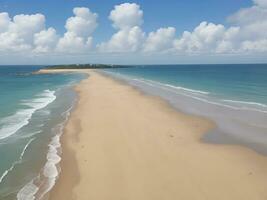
(122, 144)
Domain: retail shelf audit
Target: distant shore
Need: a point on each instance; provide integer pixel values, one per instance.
(49, 71)
(122, 144)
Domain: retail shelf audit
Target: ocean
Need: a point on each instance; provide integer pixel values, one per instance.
(34, 108)
(234, 96)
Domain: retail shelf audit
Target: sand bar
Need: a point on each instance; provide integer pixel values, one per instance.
(120, 144)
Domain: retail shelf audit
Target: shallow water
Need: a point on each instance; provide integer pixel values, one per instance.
(33, 111)
(234, 96)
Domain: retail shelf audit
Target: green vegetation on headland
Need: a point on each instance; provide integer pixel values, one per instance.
(86, 66)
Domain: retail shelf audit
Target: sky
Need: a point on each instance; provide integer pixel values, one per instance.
(133, 32)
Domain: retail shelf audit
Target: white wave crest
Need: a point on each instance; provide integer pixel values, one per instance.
(150, 82)
(17, 161)
(50, 171)
(11, 124)
(28, 191)
(186, 89)
(194, 96)
(245, 103)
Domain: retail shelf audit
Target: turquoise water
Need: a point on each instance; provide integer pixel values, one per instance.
(33, 111)
(234, 96)
(237, 82)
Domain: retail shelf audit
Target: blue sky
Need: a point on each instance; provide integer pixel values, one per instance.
(182, 15)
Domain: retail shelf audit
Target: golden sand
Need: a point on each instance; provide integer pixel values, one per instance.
(120, 144)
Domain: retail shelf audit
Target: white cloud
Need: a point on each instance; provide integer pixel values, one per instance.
(79, 28)
(244, 34)
(204, 38)
(83, 23)
(45, 40)
(261, 3)
(27, 25)
(232, 33)
(224, 46)
(18, 34)
(254, 46)
(249, 15)
(28, 32)
(160, 40)
(125, 40)
(11, 42)
(248, 33)
(227, 44)
(252, 21)
(127, 18)
(4, 21)
(126, 15)
(71, 43)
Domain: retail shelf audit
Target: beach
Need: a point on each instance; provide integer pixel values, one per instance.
(120, 143)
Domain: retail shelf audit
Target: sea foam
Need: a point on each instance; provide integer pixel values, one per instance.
(194, 94)
(28, 191)
(39, 186)
(246, 103)
(11, 124)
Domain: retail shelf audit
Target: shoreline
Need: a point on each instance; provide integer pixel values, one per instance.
(235, 124)
(174, 170)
